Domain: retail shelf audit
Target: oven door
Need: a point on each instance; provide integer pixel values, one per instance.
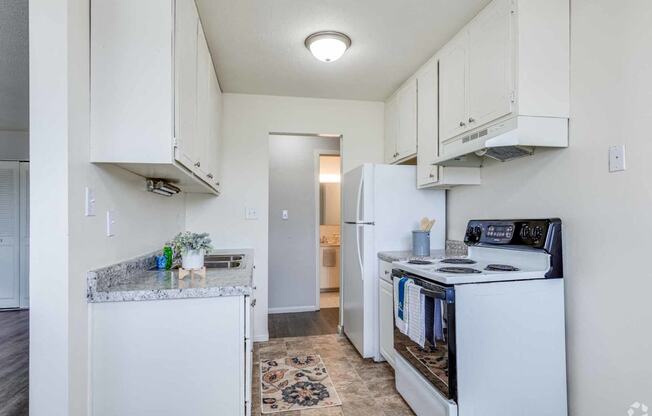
(436, 361)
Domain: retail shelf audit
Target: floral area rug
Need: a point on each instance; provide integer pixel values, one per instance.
(296, 383)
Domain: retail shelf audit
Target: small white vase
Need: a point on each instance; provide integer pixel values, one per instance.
(192, 259)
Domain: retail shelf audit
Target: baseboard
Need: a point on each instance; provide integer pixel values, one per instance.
(291, 309)
(261, 337)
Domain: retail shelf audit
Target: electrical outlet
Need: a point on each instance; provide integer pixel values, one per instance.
(284, 214)
(89, 206)
(617, 158)
(110, 223)
(251, 214)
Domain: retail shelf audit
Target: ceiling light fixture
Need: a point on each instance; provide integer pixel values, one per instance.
(328, 46)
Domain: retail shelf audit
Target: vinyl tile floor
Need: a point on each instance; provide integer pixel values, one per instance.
(365, 388)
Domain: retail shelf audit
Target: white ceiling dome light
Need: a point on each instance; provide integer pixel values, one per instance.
(328, 46)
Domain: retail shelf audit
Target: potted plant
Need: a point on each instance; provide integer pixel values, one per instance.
(192, 247)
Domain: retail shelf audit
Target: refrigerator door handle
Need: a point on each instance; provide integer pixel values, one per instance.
(360, 199)
(358, 228)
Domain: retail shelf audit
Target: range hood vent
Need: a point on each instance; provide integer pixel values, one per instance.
(504, 140)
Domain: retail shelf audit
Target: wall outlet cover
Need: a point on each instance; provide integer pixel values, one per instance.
(89, 205)
(251, 213)
(617, 158)
(284, 214)
(110, 223)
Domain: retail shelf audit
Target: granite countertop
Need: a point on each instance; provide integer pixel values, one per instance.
(453, 249)
(134, 280)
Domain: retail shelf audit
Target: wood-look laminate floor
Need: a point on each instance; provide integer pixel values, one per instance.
(14, 363)
(301, 324)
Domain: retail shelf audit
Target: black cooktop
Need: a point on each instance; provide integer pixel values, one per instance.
(458, 270)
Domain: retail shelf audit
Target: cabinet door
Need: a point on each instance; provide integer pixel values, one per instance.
(186, 24)
(9, 235)
(391, 129)
(427, 137)
(406, 144)
(24, 234)
(452, 88)
(386, 316)
(490, 64)
(215, 125)
(204, 68)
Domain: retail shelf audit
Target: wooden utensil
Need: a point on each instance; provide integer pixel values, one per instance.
(424, 223)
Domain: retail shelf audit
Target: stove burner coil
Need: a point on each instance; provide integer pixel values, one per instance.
(458, 261)
(419, 262)
(501, 268)
(458, 270)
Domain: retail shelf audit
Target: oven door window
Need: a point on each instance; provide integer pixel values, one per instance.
(436, 361)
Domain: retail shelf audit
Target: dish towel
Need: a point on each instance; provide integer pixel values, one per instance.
(439, 321)
(400, 304)
(416, 314)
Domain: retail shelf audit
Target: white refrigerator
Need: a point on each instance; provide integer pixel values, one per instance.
(380, 207)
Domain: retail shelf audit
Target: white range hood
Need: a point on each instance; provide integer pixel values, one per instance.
(504, 140)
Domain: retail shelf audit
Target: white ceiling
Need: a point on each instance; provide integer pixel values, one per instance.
(258, 44)
(14, 65)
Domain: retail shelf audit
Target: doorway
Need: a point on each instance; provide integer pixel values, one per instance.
(328, 212)
(303, 211)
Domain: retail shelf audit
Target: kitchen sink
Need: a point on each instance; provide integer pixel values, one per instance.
(224, 261)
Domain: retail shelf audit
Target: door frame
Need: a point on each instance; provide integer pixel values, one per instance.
(317, 153)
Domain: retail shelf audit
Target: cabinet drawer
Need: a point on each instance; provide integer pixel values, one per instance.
(385, 270)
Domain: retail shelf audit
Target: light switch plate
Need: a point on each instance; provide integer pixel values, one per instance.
(89, 206)
(251, 214)
(110, 223)
(617, 158)
(284, 214)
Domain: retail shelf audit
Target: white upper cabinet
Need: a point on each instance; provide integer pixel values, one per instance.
(187, 86)
(401, 123)
(406, 142)
(391, 128)
(154, 91)
(428, 175)
(511, 60)
(453, 87)
(490, 65)
(9, 235)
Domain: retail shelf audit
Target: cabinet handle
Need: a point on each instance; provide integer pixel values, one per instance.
(198, 164)
(253, 303)
(462, 124)
(386, 271)
(431, 176)
(217, 183)
(471, 120)
(210, 176)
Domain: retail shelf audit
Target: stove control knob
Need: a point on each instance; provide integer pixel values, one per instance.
(537, 233)
(525, 232)
(473, 235)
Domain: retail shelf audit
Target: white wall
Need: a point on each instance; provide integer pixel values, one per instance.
(64, 243)
(14, 80)
(292, 242)
(606, 216)
(248, 120)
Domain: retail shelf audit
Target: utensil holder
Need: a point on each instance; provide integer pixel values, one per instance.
(420, 243)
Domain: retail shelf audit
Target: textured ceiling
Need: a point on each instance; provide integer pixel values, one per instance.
(14, 65)
(258, 44)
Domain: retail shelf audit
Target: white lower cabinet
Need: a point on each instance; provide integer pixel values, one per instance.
(386, 320)
(171, 357)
